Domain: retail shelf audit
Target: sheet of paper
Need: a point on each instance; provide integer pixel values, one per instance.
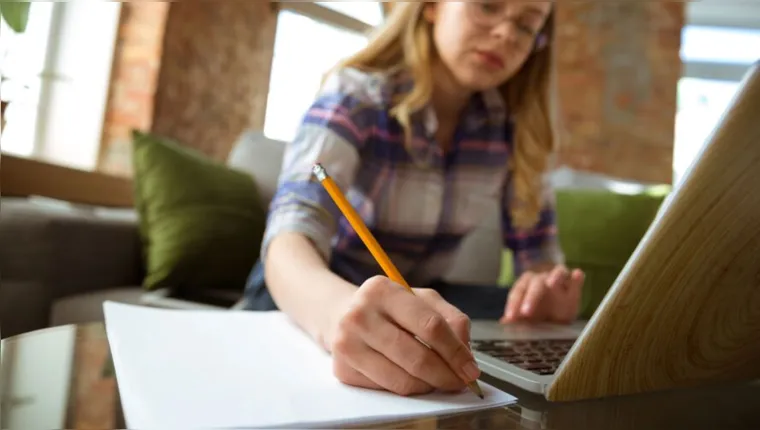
(227, 369)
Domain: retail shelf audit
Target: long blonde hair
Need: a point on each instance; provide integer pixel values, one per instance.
(404, 42)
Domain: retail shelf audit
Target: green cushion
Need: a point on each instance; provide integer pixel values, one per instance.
(598, 232)
(201, 222)
(603, 227)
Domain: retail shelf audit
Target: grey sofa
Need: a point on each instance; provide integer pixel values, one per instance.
(59, 262)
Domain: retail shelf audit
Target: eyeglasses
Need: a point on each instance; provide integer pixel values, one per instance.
(528, 26)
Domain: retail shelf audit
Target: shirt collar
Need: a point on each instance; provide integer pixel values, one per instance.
(484, 107)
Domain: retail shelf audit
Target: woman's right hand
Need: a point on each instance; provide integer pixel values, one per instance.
(373, 341)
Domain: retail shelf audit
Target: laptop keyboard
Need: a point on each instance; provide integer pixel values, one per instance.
(538, 356)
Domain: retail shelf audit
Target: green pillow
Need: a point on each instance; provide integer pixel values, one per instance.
(598, 232)
(201, 222)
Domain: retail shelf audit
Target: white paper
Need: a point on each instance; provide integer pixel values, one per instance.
(227, 369)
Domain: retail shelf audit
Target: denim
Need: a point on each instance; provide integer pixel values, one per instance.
(477, 302)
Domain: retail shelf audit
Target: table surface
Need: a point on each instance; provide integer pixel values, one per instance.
(62, 377)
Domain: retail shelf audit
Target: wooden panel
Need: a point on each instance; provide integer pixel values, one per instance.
(687, 311)
(21, 177)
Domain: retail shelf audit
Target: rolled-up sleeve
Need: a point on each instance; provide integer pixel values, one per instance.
(538, 245)
(332, 133)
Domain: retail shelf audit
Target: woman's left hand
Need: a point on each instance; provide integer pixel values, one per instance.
(552, 296)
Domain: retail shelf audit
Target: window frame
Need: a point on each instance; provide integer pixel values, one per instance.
(325, 15)
(718, 15)
(62, 52)
(713, 15)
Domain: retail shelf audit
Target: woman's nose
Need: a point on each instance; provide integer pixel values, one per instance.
(505, 30)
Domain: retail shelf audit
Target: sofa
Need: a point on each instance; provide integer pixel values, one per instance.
(59, 261)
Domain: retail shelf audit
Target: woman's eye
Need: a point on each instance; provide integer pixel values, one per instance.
(527, 27)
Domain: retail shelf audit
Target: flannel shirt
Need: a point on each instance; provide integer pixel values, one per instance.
(418, 202)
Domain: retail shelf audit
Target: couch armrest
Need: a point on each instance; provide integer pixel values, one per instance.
(69, 249)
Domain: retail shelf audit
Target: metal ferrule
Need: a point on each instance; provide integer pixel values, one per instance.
(319, 172)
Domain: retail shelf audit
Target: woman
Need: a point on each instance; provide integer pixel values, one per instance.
(444, 113)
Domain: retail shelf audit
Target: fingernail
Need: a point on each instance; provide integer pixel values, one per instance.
(471, 371)
(526, 308)
(509, 314)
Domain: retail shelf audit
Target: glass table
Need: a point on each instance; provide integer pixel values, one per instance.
(63, 377)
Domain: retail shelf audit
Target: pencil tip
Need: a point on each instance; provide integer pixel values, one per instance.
(475, 388)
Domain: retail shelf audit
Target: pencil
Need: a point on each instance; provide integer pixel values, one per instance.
(369, 239)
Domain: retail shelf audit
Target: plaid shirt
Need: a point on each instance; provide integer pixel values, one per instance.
(419, 204)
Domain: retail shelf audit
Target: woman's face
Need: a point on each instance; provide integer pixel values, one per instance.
(485, 42)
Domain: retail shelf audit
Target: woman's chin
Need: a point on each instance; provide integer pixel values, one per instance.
(478, 79)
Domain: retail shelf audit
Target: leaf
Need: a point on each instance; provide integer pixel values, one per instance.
(15, 13)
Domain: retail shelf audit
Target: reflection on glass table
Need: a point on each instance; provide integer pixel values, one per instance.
(63, 378)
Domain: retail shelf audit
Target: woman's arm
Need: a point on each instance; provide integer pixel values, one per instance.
(545, 290)
(303, 286)
(536, 249)
(303, 218)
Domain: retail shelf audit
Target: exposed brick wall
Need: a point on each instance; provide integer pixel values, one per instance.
(134, 77)
(215, 71)
(387, 6)
(618, 71)
(195, 71)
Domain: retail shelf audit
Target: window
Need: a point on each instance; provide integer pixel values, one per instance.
(371, 12)
(78, 74)
(22, 61)
(701, 103)
(56, 81)
(715, 59)
(720, 44)
(305, 49)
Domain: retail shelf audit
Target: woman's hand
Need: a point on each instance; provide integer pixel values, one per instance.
(373, 342)
(552, 296)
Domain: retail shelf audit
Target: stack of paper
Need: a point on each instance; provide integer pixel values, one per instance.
(225, 369)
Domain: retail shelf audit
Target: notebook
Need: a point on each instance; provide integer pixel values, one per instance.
(233, 369)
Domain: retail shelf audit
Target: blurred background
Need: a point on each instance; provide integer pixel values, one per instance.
(174, 219)
(641, 86)
(642, 83)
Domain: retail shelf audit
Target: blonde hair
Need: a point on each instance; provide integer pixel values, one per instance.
(404, 42)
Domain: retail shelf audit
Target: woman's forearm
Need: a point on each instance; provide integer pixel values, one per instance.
(303, 286)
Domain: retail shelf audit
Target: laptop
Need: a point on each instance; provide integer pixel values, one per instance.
(685, 309)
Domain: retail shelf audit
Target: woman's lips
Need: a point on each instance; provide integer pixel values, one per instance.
(491, 59)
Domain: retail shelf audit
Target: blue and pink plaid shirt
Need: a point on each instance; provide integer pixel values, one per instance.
(419, 204)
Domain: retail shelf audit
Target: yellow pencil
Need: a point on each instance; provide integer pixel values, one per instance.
(369, 240)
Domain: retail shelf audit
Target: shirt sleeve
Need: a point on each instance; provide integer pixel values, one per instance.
(332, 132)
(538, 245)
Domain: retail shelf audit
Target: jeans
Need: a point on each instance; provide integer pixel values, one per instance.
(477, 302)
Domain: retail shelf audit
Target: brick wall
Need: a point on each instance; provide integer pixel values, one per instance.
(214, 78)
(618, 70)
(195, 71)
(134, 77)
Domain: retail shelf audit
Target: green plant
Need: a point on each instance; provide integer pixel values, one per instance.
(15, 13)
